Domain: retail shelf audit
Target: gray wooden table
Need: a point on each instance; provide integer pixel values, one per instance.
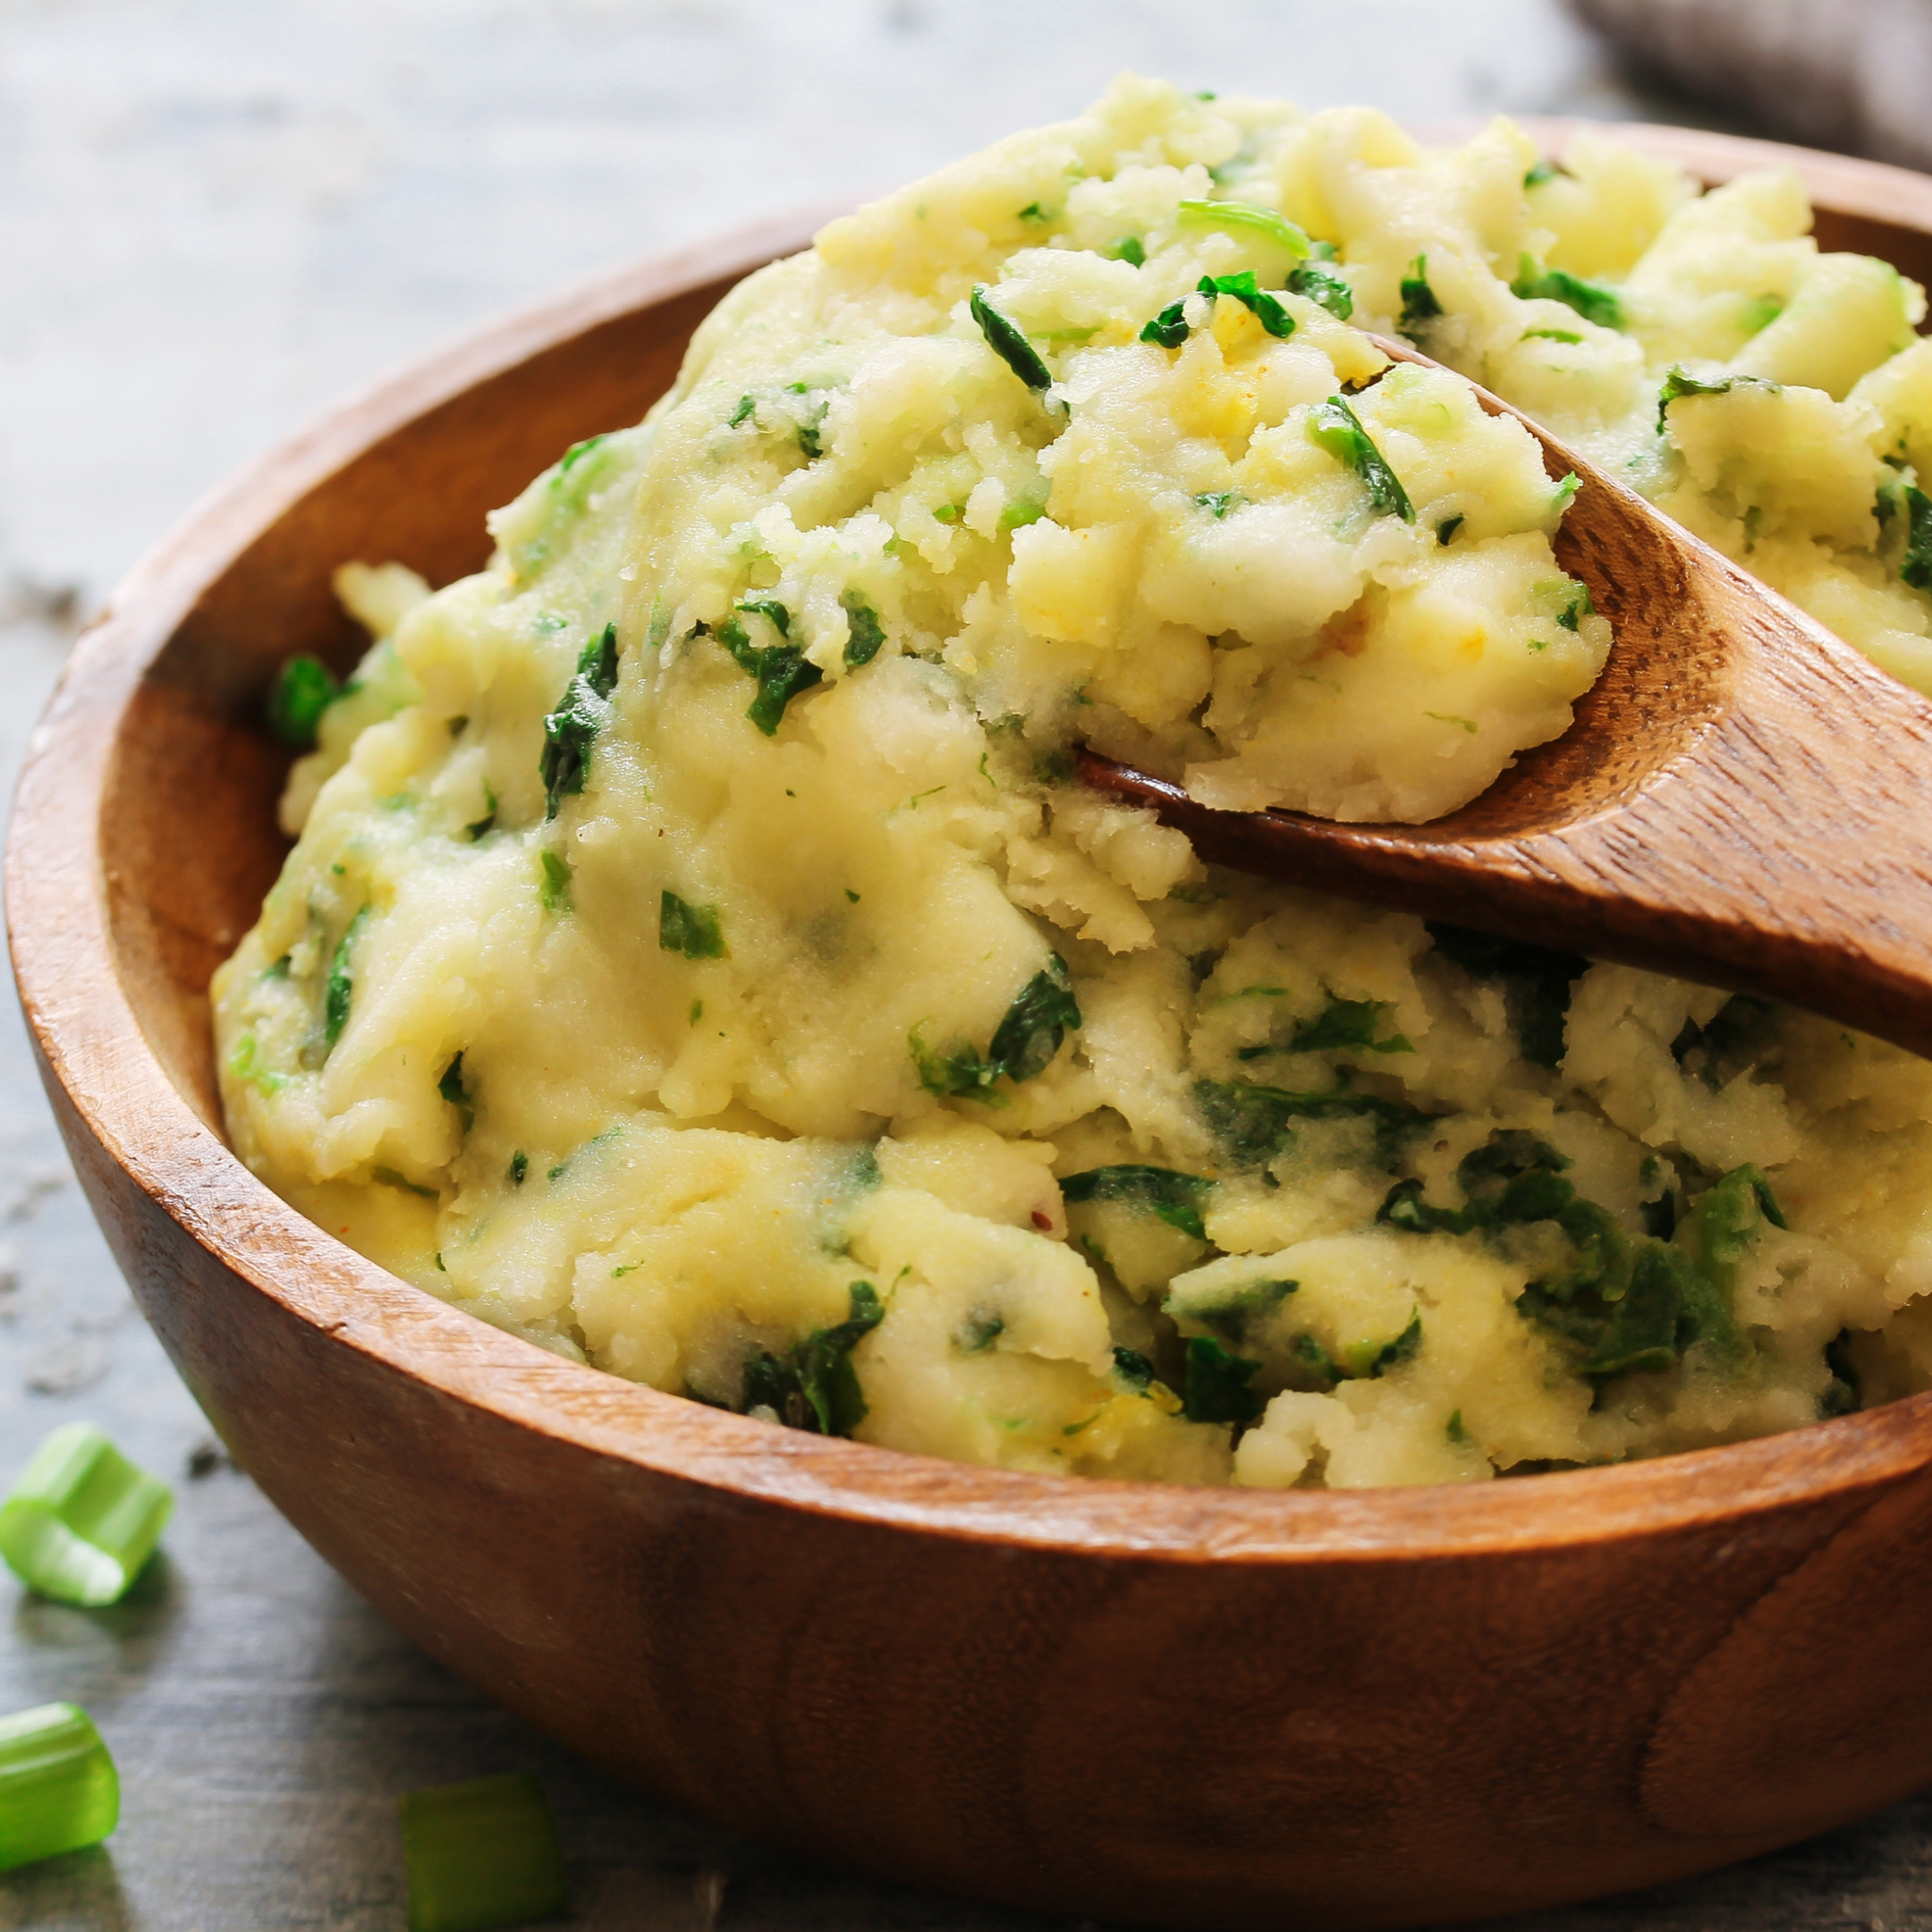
(217, 216)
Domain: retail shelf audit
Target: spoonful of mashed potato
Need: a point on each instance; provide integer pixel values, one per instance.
(699, 956)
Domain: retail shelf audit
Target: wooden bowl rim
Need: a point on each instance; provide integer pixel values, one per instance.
(91, 1044)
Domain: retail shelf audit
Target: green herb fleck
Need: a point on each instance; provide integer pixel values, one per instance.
(1418, 302)
(478, 826)
(1216, 1388)
(389, 1177)
(1591, 300)
(569, 730)
(1023, 1044)
(518, 1168)
(978, 1332)
(450, 1087)
(1169, 328)
(1449, 718)
(554, 888)
(813, 1385)
(866, 634)
(1446, 530)
(1252, 1122)
(1335, 427)
(1552, 335)
(1542, 171)
(341, 985)
(693, 930)
(304, 688)
(1916, 570)
(1007, 340)
(1164, 1192)
(781, 670)
(1129, 249)
(1680, 382)
(1345, 1024)
(1218, 503)
(747, 409)
(1320, 284)
(1133, 1369)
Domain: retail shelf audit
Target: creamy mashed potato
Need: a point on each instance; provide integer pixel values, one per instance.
(696, 959)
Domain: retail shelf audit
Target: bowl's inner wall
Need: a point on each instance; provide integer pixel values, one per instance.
(187, 837)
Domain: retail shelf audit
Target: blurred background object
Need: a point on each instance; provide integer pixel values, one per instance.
(1849, 74)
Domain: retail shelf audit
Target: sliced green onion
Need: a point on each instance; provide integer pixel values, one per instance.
(81, 1520)
(481, 1854)
(1267, 222)
(58, 1787)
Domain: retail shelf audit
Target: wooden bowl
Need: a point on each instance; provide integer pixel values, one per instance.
(1156, 1705)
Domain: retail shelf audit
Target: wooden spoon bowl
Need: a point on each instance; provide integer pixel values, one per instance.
(1743, 799)
(1139, 1704)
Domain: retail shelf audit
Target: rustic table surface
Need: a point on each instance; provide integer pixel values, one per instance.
(215, 217)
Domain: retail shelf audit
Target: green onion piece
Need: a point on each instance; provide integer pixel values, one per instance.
(1267, 222)
(303, 690)
(481, 1854)
(1337, 428)
(1007, 340)
(58, 1787)
(81, 1520)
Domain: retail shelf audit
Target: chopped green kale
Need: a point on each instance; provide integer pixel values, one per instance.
(1592, 301)
(1419, 306)
(1133, 1369)
(1023, 1044)
(304, 688)
(340, 989)
(1231, 1318)
(865, 633)
(781, 670)
(1623, 1304)
(1216, 1388)
(1252, 1122)
(813, 1385)
(693, 930)
(1007, 340)
(1320, 284)
(1538, 978)
(1335, 427)
(569, 730)
(1347, 1023)
(1164, 1192)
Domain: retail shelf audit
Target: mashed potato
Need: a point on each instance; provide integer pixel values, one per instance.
(696, 959)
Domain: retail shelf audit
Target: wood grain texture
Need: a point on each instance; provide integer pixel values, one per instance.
(1743, 799)
(1152, 1705)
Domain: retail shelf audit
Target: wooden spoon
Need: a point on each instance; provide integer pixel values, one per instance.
(1743, 799)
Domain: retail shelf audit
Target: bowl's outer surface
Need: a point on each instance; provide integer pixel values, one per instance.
(1207, 1709)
